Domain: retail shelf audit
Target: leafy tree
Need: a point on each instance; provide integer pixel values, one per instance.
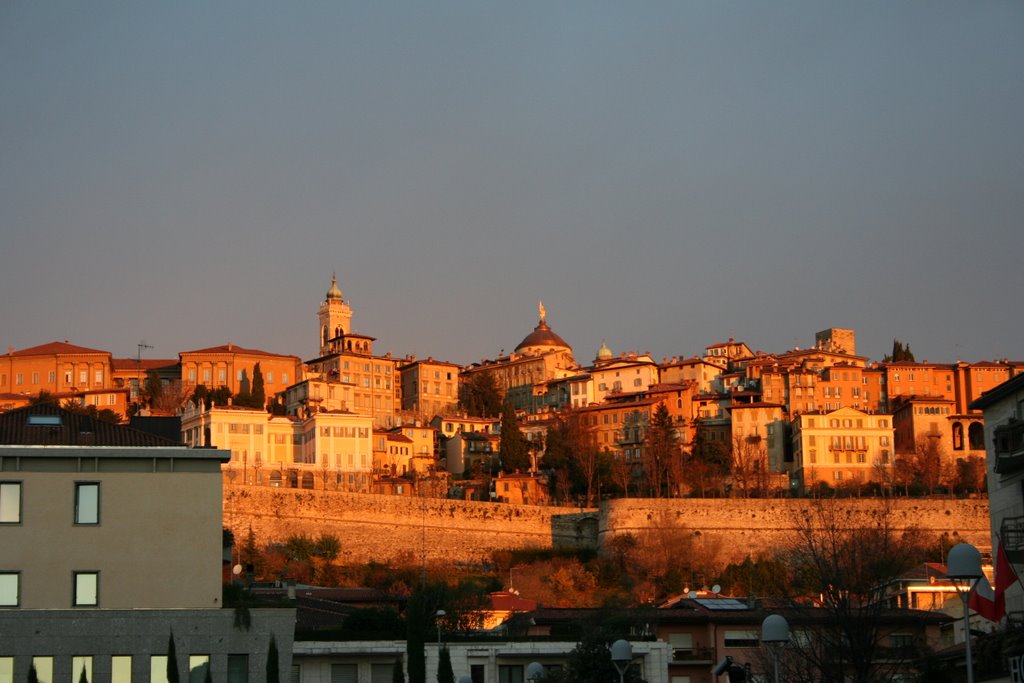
(970, 474)
(708, 463)
(479, 395)
(515, 450)
(750, 465)
(172, 661)
(44, 398)
(273, 664)
(445, 673)
(591, 662)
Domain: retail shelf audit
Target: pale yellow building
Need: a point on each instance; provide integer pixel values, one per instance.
(429, 387)
(845, 447)
(523, 375)
(627, 373)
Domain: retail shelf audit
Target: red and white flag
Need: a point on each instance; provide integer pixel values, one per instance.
(990, 603)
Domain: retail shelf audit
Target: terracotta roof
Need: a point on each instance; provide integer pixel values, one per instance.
(62, 427)
(233, 348)
(542, 335)
(144, 364)
(61, 348)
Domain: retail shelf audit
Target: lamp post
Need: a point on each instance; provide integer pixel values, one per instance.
(439, 615)
(534, 672)
(963, 569)
(622, 656)
(775, 634)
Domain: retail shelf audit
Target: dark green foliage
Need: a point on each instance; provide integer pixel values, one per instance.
(479, 395)
(515, 449)
(259, 396)
(445, 674)
(83, 677)
(661, 463)
(172, 661)
(591, 662)
(44, 398)
(763, 577)
(273, 662)
(373, 624)
(152, 388)
(397, 674)
(33, 677)
(415, 637)
(208, 677)
(900, 353)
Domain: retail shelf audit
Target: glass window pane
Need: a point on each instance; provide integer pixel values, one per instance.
(238, 668)
(198, 665)
(87, 503)
(87, 585)
(158, 669)
(121, 669)
(344, 673)
(9, 590)
(81, 669)
(381, 673)
(44, 669)
(10, 503)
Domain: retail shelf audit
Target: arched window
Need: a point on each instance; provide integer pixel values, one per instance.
(958, 436)
(325, 335)
(976, 436)
(293, 479)
(307, 480)
(275, 478)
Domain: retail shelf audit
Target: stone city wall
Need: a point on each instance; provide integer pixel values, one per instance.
(388, 528)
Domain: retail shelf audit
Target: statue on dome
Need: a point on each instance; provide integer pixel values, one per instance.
(543, 311)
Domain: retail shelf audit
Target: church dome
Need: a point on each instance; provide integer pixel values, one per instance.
(334, 292)
(543, 338)
(604, 353)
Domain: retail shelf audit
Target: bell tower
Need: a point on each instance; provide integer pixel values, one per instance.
(335, 317)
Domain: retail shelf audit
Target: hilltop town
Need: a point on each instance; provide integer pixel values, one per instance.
(526, 511)
(538, 425)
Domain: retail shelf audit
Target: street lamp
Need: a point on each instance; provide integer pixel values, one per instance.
(775, 634)
(963, 569)
(440, 614)
(622, 656)
(534, 671)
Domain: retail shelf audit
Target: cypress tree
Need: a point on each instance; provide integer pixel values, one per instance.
(515, 453)
(172, 661)
(445, 674)
(397, 674)
(259, 397)
(273, 667)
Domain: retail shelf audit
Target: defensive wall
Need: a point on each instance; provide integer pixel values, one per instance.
(384, 528)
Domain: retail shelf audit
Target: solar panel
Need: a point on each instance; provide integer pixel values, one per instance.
(722, 603)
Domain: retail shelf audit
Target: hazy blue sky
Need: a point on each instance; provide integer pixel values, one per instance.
(664, 175)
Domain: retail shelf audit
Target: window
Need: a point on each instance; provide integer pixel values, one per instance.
(87, 589)
(6, 669)
(238, 668)
(98, 377)
(87, 503)
(44, 669)
(21, 378)
(838, 475)
(344, 673)
(81, 667)
(742, 638)
(508, 673)
(198, 667)
(10, 502)
(35, 378)
(83, 377)
(10, 593)
(121, 669)
(158, 669)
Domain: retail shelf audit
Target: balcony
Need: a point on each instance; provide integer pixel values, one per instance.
(1009, 447)
(698, 655)
(1012, 533)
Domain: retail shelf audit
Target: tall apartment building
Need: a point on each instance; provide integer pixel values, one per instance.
(429, 387)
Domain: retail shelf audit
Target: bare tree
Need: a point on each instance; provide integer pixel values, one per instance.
(750, 465)
(849, 567)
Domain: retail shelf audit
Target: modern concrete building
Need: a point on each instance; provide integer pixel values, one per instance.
(112, 546)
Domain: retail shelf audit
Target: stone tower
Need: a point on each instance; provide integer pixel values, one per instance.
(335, 318)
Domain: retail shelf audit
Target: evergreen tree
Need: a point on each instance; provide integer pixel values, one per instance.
(83, 677)
(397, 674)
(33, 677)
(415, 637)
(661, 453)
(152, 388)
(900, 353)
(273, 665)
(259, 397)
(515, 449)
(172, 661)
(479, 395)
(445, 674)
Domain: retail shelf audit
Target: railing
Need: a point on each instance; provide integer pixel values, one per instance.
(693, 655)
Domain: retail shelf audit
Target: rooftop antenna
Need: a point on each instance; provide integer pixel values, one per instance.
(138, 369)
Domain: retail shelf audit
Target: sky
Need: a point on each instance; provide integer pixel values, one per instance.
(663, 175)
